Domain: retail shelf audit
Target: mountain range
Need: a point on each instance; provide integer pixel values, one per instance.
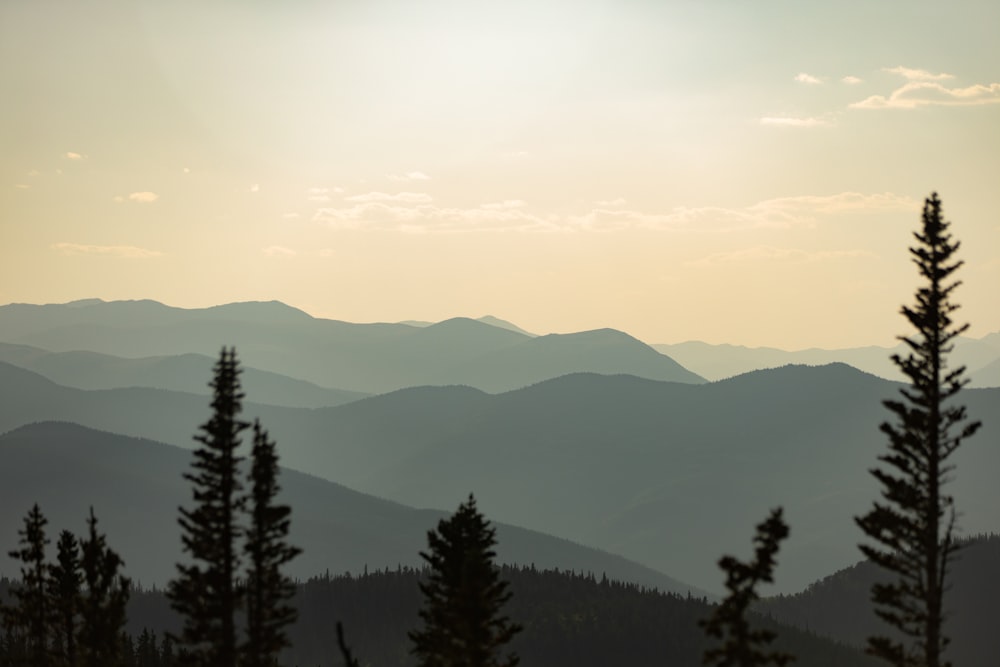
(136, 486)
(980, 356)
(660, 472)
(367, 358)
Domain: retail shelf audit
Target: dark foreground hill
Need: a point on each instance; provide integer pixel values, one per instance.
(136, 486)
(368, 358)
(570, 620)
(667, 474)
(838, 606)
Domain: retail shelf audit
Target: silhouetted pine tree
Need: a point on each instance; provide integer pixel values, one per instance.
(103, 601)
(64, 582)
(28, 619)
(268, 591)
(205, 593)
(913, 527)
(741, 646)
(463, 596)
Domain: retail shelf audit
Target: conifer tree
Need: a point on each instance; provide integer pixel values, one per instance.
(28, 619)
(104, 598)
(268, 590)
(205, 592)
(65, 579)
(741, 646)
(913, 527)
(463, 596)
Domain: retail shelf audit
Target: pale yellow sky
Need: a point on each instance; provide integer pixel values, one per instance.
(678, 170)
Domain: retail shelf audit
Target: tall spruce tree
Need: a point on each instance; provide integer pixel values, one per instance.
(65, 579)
(104, 598)
(741, 646)
(913, 528)
(463, 596)
(268, 590)
(205, 593)
(29, 618)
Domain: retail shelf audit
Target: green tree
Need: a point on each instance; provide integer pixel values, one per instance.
(463, 596)
(268, 590)
(28, 619)
(205, 592)
(64, 582)
(104, 598)
(741, 646)
(913, 527)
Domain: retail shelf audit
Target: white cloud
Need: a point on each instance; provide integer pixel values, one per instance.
(255, 188)
(790, 121)
(278, 251)
(917, 74)
(186, 170)
(427, 218)
(802, 77)
(404, 197)
(850, 80)
(914, 94)
(772, 254)
(73, 156)
(115, 251)
(141, 197)
(409, 176)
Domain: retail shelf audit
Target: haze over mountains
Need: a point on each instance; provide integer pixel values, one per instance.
(136, 486)
(369, 358)
(669, 474)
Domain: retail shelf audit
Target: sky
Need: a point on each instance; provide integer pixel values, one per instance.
(725, 171)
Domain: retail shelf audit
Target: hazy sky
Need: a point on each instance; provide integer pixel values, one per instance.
(729, 171)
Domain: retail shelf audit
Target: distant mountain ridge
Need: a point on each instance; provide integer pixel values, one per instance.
(981, 357)
(136, 486)
(668, 474)
(367, 358)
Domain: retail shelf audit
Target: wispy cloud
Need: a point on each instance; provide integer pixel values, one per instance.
(917, 74)
(73, 156)
(792, 121)
(850, 80)
(380, 216)
(512, 215)
(255, 188)
(802, 77)
(278, 251)
(140, 197)
(403, 197)
(914, 94)
(21, 186)
(409, 176)
(114, 251)
(773, 254)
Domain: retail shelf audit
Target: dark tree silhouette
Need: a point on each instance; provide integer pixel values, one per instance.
(741, 646)
(205, 592)
(104, 597)
(268, 591)
(913, 527)
(64, 583)
(28, 619)
(463, 596)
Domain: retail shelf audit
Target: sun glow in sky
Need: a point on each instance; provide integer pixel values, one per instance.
(725, 171)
